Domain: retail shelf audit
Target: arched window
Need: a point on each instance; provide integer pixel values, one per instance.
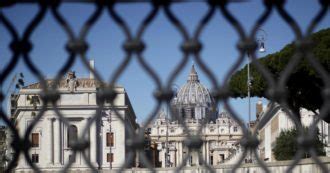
(72, 135)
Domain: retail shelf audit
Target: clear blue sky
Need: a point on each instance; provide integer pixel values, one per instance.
(162, 40)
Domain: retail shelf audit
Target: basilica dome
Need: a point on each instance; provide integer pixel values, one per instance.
(193, 92)
(193, 99)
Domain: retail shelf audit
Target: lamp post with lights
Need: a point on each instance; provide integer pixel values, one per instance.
(261, 38)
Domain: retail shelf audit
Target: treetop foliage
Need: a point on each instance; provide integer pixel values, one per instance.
(286, 145)
(304, 85)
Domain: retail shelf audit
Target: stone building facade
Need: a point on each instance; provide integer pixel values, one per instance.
(52, 140)
(280, 121)
(193, 104)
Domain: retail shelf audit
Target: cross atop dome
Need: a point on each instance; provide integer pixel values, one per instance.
(193, 76)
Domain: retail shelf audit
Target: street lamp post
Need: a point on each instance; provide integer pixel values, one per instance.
(261, 38)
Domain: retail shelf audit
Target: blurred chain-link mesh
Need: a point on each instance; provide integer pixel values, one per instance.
(77, 46)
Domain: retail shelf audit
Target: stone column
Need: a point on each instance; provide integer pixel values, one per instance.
(92, 139)
(56, 141)
(57, 155)
(172, 160)
(204, 151)
(197, 157)
(137, 160)
(207, 152)
(52, 145)
(163, 158)
(180, 158)
(88, 139)
(99, 149)
(61, 146)
(159, 155)
(177, 154)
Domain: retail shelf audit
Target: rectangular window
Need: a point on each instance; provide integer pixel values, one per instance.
(109, 157)
(110, 139)
(72, 135)
(222, 157)
(72, 158)
(211, 160)
(35, 158)
(35, 139)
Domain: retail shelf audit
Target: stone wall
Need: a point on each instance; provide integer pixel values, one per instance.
(304, 166)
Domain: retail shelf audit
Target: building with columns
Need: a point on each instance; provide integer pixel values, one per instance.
(193, 104)
(52, 140)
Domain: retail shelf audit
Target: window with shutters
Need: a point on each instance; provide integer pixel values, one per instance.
(109, 157)
(110, 139)
(35, 139)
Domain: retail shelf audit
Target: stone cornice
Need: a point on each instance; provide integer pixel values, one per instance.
(82, 82)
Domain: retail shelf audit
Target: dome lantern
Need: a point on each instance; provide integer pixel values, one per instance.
(193, 76)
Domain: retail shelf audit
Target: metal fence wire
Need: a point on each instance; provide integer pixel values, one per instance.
(77, 46)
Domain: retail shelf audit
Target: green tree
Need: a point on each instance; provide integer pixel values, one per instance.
(286, 145)
(304, 85)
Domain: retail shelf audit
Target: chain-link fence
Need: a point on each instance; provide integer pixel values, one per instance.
(77, 46)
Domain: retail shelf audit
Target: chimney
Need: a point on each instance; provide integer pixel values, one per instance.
(259, 108)
(91, 64)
